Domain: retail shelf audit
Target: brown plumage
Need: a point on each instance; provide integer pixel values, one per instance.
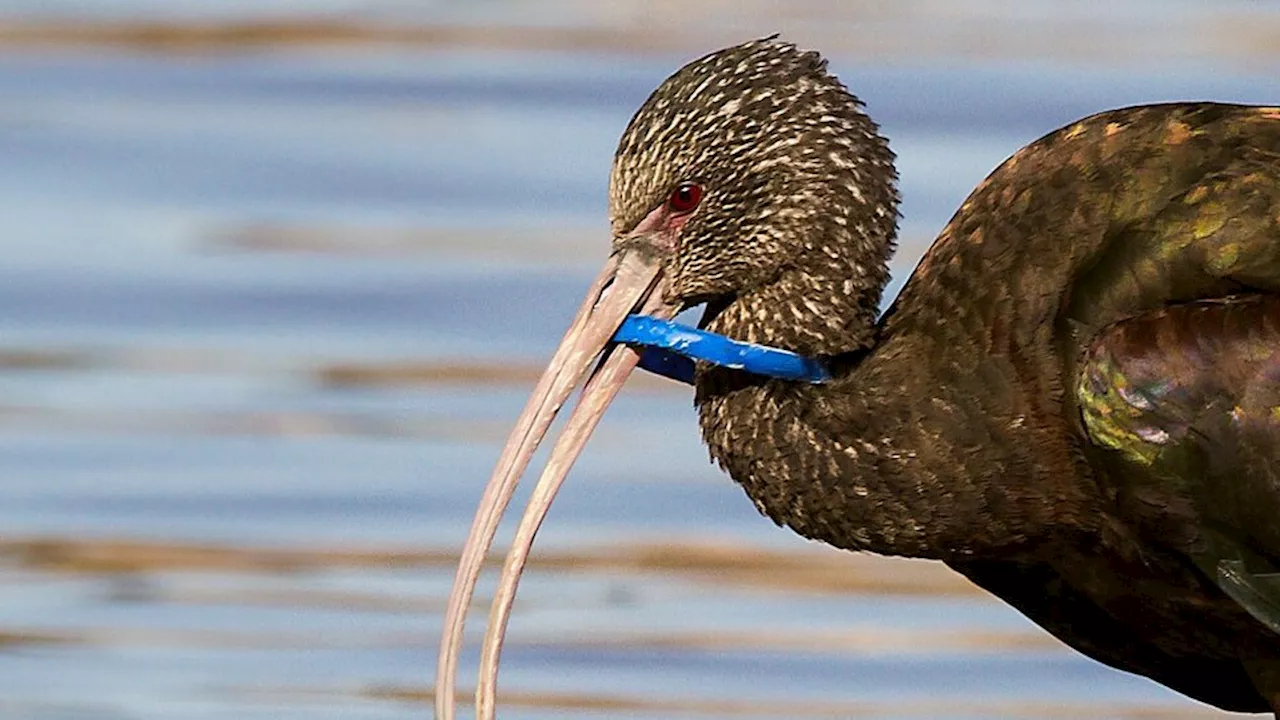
(1075, 400)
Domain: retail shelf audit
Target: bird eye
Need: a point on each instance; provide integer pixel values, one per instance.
(684, 198)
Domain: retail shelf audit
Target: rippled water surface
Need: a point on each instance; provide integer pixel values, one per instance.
(269, 302)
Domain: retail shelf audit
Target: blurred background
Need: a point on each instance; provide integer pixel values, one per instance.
(276, 276)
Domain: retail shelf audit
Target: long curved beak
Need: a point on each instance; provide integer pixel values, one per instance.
(630, 282)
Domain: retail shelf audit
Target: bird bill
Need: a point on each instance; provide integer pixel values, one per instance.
(630, 282)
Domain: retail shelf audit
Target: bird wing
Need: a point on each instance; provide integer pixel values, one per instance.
(1185, 402)
(1103, 304)
(1180, 398)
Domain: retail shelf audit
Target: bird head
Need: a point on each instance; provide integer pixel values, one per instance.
(755, 182)
(751, 181)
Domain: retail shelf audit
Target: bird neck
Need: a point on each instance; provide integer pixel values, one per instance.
(851, 493)
(821, 306)
(873, 461)
(829, 462)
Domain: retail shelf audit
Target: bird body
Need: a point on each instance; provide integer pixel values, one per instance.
(1080, 378)
(1075, 399)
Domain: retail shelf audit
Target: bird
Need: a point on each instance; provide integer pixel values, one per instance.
(1074, 401)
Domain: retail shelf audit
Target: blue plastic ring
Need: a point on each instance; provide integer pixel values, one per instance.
(674, 347)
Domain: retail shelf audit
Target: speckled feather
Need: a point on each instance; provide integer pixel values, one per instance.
(778, 144)
(1051, 406)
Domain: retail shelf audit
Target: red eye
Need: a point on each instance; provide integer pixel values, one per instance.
(684, 198)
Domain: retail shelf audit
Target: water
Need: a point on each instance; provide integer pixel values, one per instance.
(266, 312)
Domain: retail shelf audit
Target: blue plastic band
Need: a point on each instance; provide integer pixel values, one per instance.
(671, 349)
